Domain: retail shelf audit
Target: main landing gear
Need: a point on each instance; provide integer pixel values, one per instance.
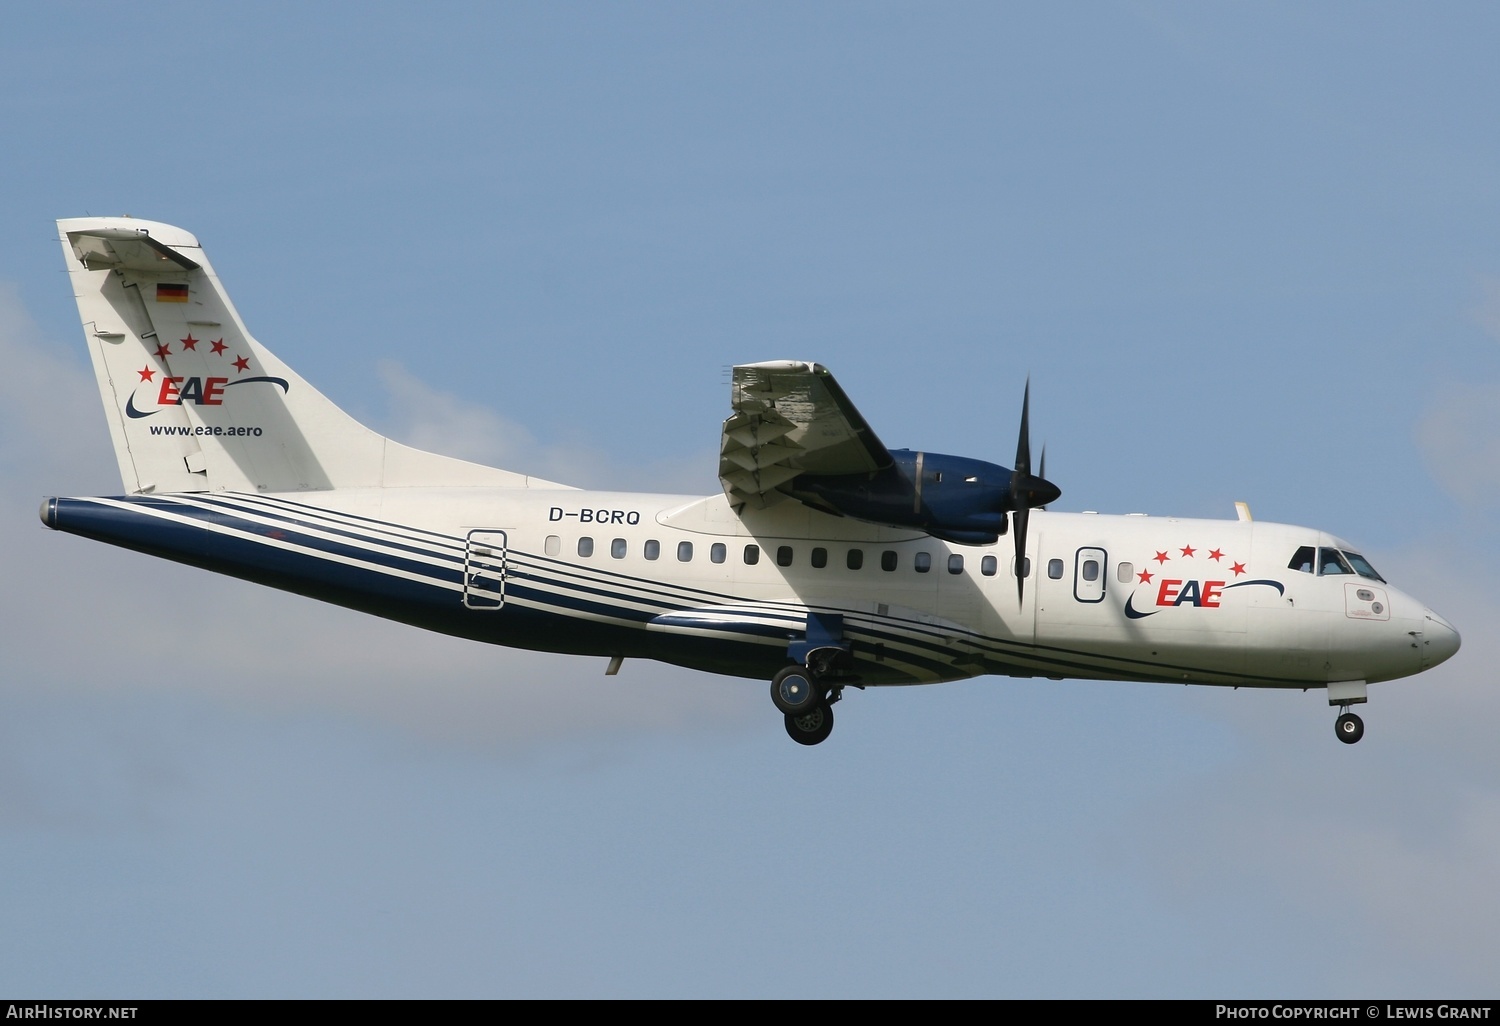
(806, 691)
(806, 705)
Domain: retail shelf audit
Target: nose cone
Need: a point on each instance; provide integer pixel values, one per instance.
(1439, 640)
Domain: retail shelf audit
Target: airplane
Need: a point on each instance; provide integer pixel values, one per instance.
(828, 561)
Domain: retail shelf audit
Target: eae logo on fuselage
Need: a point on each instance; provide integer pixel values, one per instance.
(1190, 593)
(1200, 592)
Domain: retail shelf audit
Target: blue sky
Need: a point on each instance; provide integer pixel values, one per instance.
(1244, 252)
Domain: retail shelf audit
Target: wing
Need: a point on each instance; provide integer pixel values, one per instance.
(791, 418)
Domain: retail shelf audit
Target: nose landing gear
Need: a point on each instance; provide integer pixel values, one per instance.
(1349, 728)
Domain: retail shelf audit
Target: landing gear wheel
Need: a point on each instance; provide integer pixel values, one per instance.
(1349, 728)
(811, 727)
(793, 691)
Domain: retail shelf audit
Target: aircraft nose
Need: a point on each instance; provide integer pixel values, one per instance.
(1439, 639)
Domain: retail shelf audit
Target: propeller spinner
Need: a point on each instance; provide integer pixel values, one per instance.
(1027, 491)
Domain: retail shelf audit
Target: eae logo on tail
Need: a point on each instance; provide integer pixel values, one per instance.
(196, 390)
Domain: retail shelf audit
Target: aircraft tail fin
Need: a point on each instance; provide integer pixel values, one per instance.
(194, 403)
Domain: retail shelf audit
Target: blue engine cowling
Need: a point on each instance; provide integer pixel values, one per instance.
(953, 498)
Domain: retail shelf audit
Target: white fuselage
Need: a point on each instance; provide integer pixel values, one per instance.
(1108, 597)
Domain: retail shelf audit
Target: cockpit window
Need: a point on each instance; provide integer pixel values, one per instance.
(1362, 567)
(1331, 561)
(1328, 562)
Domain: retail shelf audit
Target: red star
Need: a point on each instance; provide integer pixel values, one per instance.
(1188, 550)
(1161, 557)
(190, 342)
(1215, 555)
(163, 350)
(146, 373)
(1145, 576)
(219, 346)
(1238, 569)
(242, 363)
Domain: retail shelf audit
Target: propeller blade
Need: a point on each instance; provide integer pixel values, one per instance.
(1019, 477)
(1023, 444)
(1027, 492)
(1019, 519)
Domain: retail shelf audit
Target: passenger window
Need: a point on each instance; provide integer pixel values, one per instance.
(1055, 569)
(1302, 560)
(684, 552)
(783, 555)
(1125, 572)
(718, 552)
(855, 559)
(922, 562)
(956, 563)
(1025, 567)
(585, 546)
(617, 548)
(1331, 562)
(988, 565)
(888, 560)
(1090, 570)
(553, 545)
(819, 558)
(653, 549)
(752, 555)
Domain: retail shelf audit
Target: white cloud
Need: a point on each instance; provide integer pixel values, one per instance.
(49, 408)
(1461, 444)
(439, 422)
(1486, 311)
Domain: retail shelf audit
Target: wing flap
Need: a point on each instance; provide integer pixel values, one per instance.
(791, 418)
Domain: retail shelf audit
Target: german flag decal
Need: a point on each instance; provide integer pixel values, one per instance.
(171, 293)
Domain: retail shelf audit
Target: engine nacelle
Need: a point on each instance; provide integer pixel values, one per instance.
(950, 497)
